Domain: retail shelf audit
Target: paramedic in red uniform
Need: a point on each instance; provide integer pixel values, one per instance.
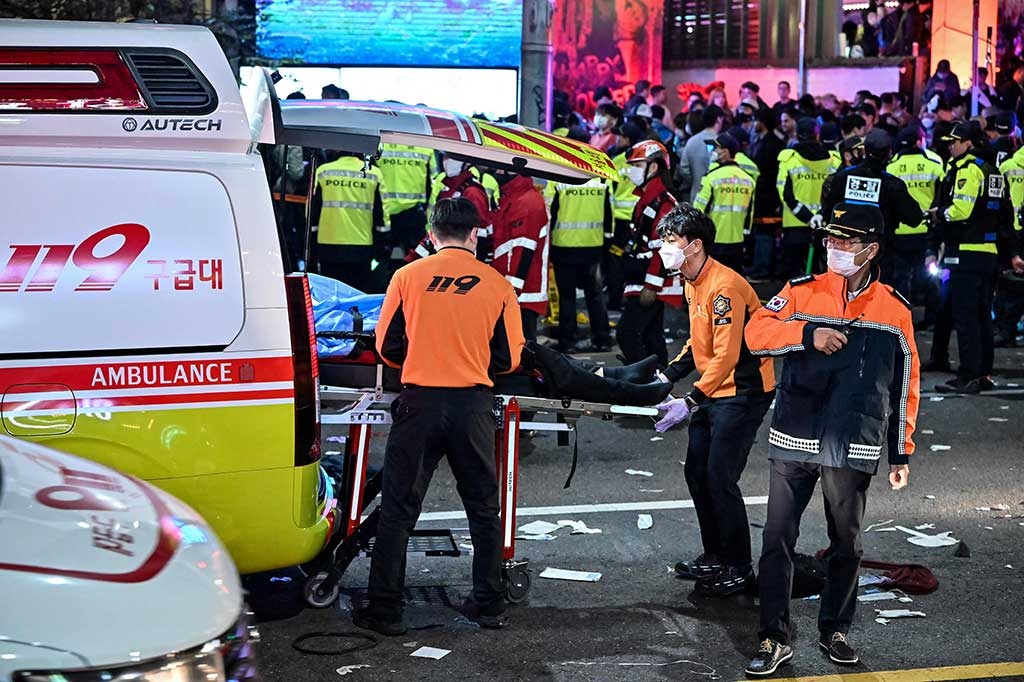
(521, 245)
(458, 181)
(648, 284)
(454, 302)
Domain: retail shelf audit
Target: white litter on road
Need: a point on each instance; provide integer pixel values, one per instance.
(346, 669)
(538, 528)
(929, 497)
(645, 490)
(575, 576)
(543, 537)
(644, 521)
(430, 652)
(899, 613)
(882, 621)
(936, 399)
(869, 579)
(877, 596)
(639, 472)
(578, 528)
(885, 530)
(655, 439)
(873, 526)
(939, 448)
(927, 432)
(925, 526)
(924, 540)
(994, 507)
(998, 420)
(600, 508)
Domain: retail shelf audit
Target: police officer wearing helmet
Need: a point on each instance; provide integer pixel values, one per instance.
(846, 401)
(803, 169)
(649, 286)
(349, 224)
(869, 182)
(727, 196)
(972, 210)
(445, 408)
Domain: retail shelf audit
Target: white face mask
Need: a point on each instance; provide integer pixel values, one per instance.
(713, 156)
(672, 256)
(636, 174)
(452, 167)
(842, 262)
(601, 121)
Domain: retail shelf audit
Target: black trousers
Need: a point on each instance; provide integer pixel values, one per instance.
(358, 274)
(431, 423)
(721, 434)
(970, 305)
(641, 331)
(530, 318)
(408, 228)
(796, 243)
(586, 276)
(1009, 306)
(790, 489)
(729, 255)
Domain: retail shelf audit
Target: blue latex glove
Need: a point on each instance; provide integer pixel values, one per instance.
(676, 412)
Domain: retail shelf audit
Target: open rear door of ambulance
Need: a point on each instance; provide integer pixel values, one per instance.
(360, 127)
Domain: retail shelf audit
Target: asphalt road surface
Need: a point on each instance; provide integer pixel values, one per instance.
(640, 622)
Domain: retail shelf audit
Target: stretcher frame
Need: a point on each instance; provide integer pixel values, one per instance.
(362, 409)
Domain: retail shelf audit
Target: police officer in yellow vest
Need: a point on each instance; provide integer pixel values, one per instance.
(349, 225)
(727, 196)
(1010, 294)
(405, 174)
(921, 173)
(802, 172)
(581, 215)
(972, 208)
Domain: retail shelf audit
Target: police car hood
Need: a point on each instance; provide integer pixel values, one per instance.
(102, 565)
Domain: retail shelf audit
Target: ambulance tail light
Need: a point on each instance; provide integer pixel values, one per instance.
(306, 369)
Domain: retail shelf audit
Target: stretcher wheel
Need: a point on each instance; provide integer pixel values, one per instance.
(517, 583)
(316, 595)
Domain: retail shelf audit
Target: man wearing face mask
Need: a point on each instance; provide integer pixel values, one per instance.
(606, 119)
(848, 394)
(727, 197)
(648, 285)
(458, 180)
(725, 406)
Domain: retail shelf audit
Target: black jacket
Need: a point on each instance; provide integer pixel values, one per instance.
(869, 182)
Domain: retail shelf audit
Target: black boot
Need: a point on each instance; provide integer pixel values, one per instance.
(638, 373)
(641, 395)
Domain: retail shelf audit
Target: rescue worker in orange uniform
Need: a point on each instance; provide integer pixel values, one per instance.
(444, 409)
(649, 286)
(726, 404)
(521, 245)
(848, 395)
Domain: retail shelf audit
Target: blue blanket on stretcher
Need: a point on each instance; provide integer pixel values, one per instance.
(335, 307)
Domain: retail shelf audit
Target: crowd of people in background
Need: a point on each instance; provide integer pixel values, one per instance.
(767, 174)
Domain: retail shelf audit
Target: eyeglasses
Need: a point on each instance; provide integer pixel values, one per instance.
(842, 244)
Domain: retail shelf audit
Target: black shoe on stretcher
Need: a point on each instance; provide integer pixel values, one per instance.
(704, 566)
(727, 582)
(637, 373)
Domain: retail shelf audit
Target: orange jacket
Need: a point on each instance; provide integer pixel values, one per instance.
(450, 321)
(721, 302)
(841, 409)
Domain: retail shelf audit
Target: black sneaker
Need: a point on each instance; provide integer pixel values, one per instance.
(769, 657)
(987, 384)
(491, 616)
(729, 581)
(971, 387)
(838, 649)
(704, 566)
(368, 619)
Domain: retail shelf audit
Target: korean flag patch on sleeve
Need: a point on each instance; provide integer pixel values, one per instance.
(776, 304)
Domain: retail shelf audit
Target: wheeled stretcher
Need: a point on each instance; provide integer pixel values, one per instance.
(357, 392)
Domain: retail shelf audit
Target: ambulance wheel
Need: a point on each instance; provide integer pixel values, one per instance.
(316, 595)
(517, 583)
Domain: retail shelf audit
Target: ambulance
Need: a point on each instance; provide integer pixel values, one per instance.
(105, 577)
(149, 322)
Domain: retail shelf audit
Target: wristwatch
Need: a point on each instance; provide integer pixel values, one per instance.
(691, 403)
